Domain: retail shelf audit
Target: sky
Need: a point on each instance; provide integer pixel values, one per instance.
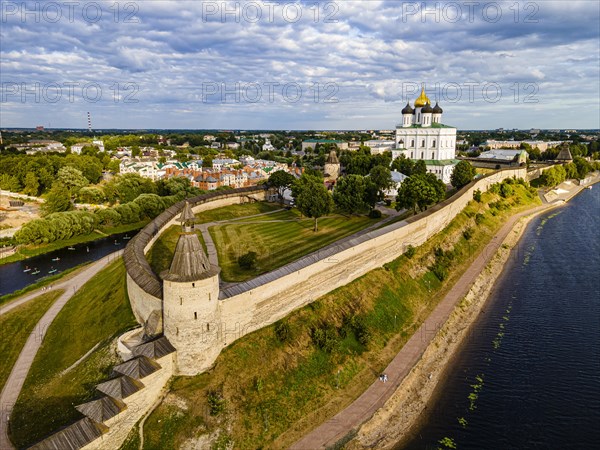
(298, 65)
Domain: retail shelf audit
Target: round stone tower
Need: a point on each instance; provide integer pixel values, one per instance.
(190, 301)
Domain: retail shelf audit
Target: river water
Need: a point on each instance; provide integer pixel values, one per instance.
(535, 348)
(15, 276)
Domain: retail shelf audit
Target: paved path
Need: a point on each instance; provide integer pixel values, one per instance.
(378, 393)
(19, 372)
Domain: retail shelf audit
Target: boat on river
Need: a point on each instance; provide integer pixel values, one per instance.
(27, 269)
(70, 248)
(56, 259)
(35, 272)
(53, 271)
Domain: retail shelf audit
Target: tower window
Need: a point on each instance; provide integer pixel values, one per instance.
(193, 284)
(209, 296)
(208, 327)
(181, 300)
(195, 316)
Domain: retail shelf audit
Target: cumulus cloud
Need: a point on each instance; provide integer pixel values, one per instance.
(226, 64)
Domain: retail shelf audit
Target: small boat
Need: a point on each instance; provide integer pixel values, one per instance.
(116, 243)
(27, 269)
(35, 272)
(53, 271)
(70, 248)
(126, 237)
(56, 259)
(87, 249)
(589, 187)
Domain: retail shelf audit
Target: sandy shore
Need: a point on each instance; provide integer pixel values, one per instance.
(399, 416)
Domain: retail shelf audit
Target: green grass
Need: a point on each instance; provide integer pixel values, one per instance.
(16, 326)
(28, 251)
(96, 314)
(277, 243)
(235, 211)
(275, 392)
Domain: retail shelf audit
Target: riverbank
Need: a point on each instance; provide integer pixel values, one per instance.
(394, 422)
(29, 251)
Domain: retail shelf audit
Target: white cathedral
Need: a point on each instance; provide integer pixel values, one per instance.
(421, 135)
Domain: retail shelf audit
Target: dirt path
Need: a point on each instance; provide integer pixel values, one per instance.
(19, 372)
(378, 393)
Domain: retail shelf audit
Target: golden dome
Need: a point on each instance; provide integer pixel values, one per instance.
(423, 99)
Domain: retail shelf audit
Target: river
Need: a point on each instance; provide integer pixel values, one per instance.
(20, 274)
(528, 376)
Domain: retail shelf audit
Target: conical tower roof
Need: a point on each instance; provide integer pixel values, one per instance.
(564, 154)
(333, 159)
(189, 263)
(187, 215)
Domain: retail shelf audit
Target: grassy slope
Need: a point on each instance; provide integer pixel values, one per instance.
(17, 325)
(98, 313)
(277, 243)
(235, 211)
(276, 391)
(28, 251)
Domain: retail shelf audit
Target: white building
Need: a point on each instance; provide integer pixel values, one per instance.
(267, 146)
(397, 179)
(422, 135)
(379, 146)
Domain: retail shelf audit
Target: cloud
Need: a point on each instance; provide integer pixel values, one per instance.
(369, 56)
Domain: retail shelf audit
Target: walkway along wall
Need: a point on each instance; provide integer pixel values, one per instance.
(248, 306)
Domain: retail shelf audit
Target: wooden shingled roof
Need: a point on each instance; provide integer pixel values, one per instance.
(155, 349)
(138, 267)
(102, 409)
(121, 387)
(190, 263)
(139, 367)
(73, 437)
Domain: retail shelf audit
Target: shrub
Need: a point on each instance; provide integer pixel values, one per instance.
(247, 261)
(375, 214)
(468, 233)
(477, 195)
(506, 190)
(216, 402)
(479, 218)
(283, 331)
(410, 252)
(326, 338)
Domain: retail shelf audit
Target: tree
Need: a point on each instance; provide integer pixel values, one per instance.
(417, 192)
(403, 165)
(72, 179)
(420, 168)
(381, 177)
(583, 167)
(58, 199)
(281, 180)
(350, 193)
(248, 260)
(32, 184)
(463, 174)
(311, 197)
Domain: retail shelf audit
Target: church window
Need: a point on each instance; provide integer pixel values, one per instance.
(412, 143)
(433, 143)
(423, 143)
(422, 155)
(195, 316)
(411, 155)
(432, 155)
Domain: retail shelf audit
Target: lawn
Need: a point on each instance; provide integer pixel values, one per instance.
(235, 211)
(17, 325)
(97, 313)
(269, 388)
(277, 239)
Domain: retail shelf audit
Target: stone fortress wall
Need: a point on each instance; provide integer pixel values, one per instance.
(251, 305)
